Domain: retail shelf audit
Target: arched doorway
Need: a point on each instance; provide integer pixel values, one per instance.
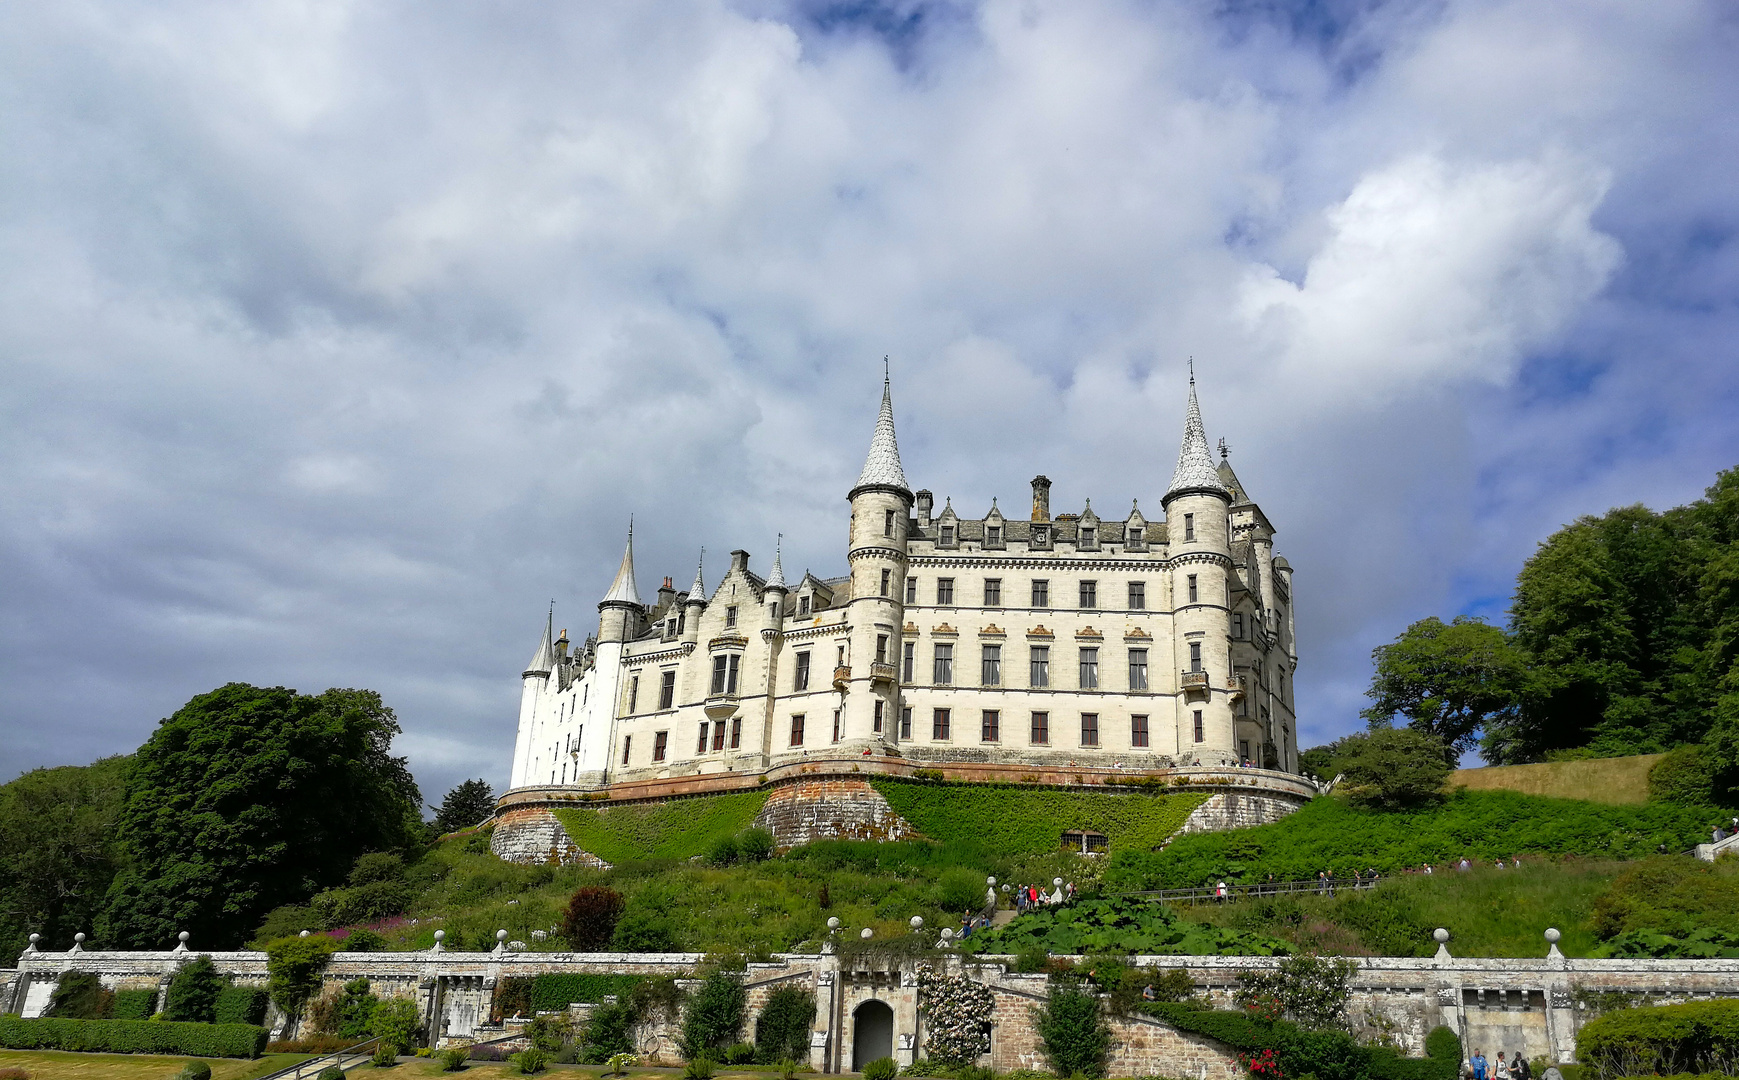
(872, 1034)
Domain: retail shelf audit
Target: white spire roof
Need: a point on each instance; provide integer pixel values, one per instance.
(622, 590)
(697, 591)
(1195, 466)
(882, 467)
(543, 661)
(776, 579)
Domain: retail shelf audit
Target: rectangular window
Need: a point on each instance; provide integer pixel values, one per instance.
(992, 592)
(947, 536)
(881, 713)
(906, 662)
(773, 609)
(1244, 750)
(633, 693)
(944, 665)
(1138, 731)
(887, 580)
(797, 729)
(1041, 665)
(1137, 595)
(944, 591)
(1200, 735)
(700, 743)
(1195, 656)
(992, 673)
(838, 723)
(1194, 595)
(1089, 669)
(911, 590)
(627, 745)
(731, 681)
(939, 724)
(1089, 594)
(1189, 526)
(1238, 627)
(1041, 733)
(906, 722)
(667, 691)
(803, 605)
(1041, 594)
(719, 668)
(659, 742)
(736, 733)
(1089, 729)
(731, 616)
(887, 523)
(991, 730)
(1132, 536)
(801, 682)
(881, 648)
(993, 536)
(1089, 536)
(1138, 669)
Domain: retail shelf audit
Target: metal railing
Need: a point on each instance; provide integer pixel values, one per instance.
(1211, 893)
(312, 1066)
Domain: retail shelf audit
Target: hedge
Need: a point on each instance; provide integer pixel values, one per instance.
(135, 1004)
(1324, 1053)
(1661, 1038)
(133, 1037)
(679, 829)
(242, 1005)
(552, 992)
(1018, 820)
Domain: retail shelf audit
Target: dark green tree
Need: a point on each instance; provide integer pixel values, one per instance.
(782, 1028)
(1393, 768)
(1072, 1030)
(193, 992)
(1449, 680)
(714, 1016)
(249, 798)
(471, 803)
(79, 995)
(58, 852)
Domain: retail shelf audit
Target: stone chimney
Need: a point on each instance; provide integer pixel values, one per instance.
(740, 560)
(1041, 499)
(925, 501)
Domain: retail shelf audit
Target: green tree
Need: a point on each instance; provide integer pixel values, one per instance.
(1072, 1030)
(397, 1022)
(193, 992)
(1393, 768)
(1449, 680)
(58, 852)
(471, 803)
(293, 969)
(591, 917)
(249, 798)
(782, 1028)
(714, 1016)
(79, 995)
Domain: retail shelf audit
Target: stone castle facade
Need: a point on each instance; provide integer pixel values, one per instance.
(1045, 641)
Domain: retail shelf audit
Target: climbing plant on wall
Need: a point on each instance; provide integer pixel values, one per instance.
(956, 1016)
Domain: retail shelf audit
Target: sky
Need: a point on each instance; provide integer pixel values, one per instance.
(339, 339)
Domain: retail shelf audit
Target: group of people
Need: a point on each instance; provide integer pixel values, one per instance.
(1720, 833)
(1028, 897)
(1478, 1068)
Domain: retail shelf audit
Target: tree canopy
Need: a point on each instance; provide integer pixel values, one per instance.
(1450, 680)
(466, 805)
(248, 798)
(58, 851)
(1393, 768)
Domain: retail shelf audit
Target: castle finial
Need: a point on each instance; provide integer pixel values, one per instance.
(1224, 449)
(697, 591)
(1195, 470)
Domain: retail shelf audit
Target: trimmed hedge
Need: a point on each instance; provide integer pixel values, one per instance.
(133, 1037)
(552, 992)
(1661, 1038)
(242, 1005)
(1324, 1053)
(135, 1004)
(675, 830)
(1019, 820)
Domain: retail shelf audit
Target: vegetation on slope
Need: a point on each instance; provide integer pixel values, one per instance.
(1621, 781)
(675, 830)
(1028, 822)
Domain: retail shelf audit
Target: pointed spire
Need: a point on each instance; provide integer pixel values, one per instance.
(623, 590)
(697, 591)
(1195, 466)
(776, 579)
(543, 661)
(882, 467)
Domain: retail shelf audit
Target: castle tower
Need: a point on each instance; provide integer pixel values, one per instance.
(773, 605)
(620, 610)
(533, 681)
(694, 604)
(1199, 538)
(881, 506)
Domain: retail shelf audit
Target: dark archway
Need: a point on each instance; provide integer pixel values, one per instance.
(872, 1034)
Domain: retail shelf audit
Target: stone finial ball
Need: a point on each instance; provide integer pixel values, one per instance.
(833, 923)
(34, 938)
(1057, 882)
(917, 922)
(183, 936)
(500, 935)
(1552, 935)
(990, 881)
(303, 934)
(866, 933)
(80, 938)
(440, 935)
(1441, 935)
(947, 933)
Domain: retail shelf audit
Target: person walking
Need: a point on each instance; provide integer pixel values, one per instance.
(1501, 1070)
(1519, 1067)
(1479, 1065)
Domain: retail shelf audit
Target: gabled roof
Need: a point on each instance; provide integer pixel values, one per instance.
(1195, 472)
(882, 467)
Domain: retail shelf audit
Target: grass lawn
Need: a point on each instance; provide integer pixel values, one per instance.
(1620, 781)
(63, 1065)
(479, 1070)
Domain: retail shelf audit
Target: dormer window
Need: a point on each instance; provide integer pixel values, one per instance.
(1132, 536)
(947, 536)
(993, 536)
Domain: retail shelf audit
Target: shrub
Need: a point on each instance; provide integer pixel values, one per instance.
(959, 891)
(609, 1033)
(133, 1037)
(883, 1068)
(1443, 1044)
(723, 851)
(397, 1022)
(714, 1016)
(755, 845)
(331, 1072)
(530, 1061)
(699, 1067)
(1124, 924)
(79, 995)
(1308, 989)
(552, 992)
(958, 1011)
(549, 1033)
(362, 939)
(294, 966)
(240, 1005)
(309, 1044)
(1075, 1038)
(194, 1070)
(140, 1004)
(619, 1064)
(645, 931)
(385, 1056)
(453, 1058)
(1394, 768)
(591, 917)
(193, 992)
(1692, 1037)
(738, 1054)
(1684, 777)
(782, 1029)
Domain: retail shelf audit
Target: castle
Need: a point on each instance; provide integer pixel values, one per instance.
(1050, 641)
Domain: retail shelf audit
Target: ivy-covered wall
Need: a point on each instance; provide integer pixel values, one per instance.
(1024, 821)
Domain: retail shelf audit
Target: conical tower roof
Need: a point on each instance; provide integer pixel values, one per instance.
(776, 579)
(543, 661)
(1195, 473)
(623, 590)
(697, 591)
(882, 467)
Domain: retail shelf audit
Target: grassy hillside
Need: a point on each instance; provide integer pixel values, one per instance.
(1024, 821)
(1620, 781)
(674, 830)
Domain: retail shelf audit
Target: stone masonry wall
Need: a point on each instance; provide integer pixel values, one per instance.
(534, 835)
(830, 809)
(1238, 810)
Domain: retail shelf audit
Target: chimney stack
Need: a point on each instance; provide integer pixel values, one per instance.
(1041, 499)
